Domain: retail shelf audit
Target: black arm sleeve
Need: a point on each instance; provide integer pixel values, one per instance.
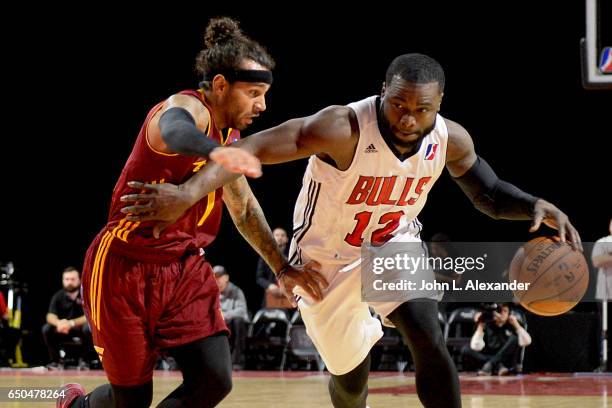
(494, 197)
(180, 133)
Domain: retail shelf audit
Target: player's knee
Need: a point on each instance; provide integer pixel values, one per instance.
(218, 383)
(225, 385)
(133, 397)
(223, 379)
(354, 390)
(347, 390)
(418, 323)
(215, 392)
(426, 338)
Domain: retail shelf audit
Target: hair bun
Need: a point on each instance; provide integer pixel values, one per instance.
(221, 30)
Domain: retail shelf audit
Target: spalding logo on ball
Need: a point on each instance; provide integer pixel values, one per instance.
(558, 276)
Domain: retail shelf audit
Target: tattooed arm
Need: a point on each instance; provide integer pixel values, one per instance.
(251, 222)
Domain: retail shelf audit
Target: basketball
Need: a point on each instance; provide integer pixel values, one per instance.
(558, 276)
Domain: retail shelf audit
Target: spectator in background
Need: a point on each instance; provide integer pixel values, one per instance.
(265, 277)
(497, 341)
(235, 314)
(602, 259)
(66, 319)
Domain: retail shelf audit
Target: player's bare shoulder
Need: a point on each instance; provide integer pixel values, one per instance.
(460, 154)
(191, 104)
(332, 122)
(336, 132)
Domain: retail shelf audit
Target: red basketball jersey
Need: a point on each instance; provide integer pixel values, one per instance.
(197, 228)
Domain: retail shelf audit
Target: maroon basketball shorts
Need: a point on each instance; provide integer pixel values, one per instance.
(135, 308)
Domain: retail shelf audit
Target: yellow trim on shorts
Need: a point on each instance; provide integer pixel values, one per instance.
(95, 289)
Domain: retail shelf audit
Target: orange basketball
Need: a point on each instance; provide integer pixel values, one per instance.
(558, 276)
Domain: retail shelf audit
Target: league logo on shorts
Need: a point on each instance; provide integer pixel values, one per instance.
(606, 61)
(430, 153)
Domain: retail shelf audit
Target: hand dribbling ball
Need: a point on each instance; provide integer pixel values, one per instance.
(558, 276)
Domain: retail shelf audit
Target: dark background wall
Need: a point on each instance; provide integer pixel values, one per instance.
(80, 82)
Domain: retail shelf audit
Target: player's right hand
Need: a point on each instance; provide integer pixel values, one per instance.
(165, 203)
(305, 276)
(236, 160)
(547, 213)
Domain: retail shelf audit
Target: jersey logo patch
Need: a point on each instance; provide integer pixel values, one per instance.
(198, 165)
(371, 149)
(430, 153)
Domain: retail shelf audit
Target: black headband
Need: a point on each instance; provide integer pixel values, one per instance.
(243, 75)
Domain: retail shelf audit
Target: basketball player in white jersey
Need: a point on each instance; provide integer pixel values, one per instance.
(372, 164)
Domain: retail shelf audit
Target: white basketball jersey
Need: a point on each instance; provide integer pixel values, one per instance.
(377, 199)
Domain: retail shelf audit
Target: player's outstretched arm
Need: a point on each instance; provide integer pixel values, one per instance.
(330, 131)
(497, 198)
(167, 202)
(251, 222)
(327, 132)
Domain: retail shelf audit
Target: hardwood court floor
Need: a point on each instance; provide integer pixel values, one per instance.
(254, 389)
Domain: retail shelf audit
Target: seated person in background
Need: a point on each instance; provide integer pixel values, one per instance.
(497, 341)
(66, 319)
(264, 276)
(235, 314)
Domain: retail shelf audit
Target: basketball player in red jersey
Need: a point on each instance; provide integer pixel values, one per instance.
(143, 293)
(371, 166)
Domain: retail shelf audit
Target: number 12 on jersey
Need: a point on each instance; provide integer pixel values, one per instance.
(389, 221)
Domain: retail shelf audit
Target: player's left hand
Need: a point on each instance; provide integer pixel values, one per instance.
(237, 160)
(307, 277)
(549, 214)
